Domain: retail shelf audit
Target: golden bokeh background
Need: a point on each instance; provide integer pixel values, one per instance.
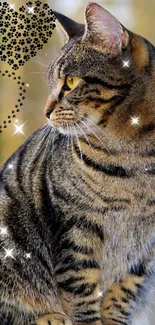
(136, 15)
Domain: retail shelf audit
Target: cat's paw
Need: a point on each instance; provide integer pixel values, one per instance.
(52, 319)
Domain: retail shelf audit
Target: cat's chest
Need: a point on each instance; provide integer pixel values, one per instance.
(116, 194)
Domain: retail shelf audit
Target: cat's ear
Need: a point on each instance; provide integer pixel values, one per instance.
(104, 29)
(69, 27)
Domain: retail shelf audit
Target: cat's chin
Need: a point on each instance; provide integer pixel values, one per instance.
(71, 131)
(76, 130)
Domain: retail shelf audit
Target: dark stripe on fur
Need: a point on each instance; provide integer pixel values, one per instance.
(77, 266)
(118, 321)
(81, 222)
(87, 303)
(93, 80)
(118, 100)
(101, 100)
(150, 202)
(49, 322)
(147, 128)
(70, 281)
(126, 301)
(111, 170)
(67, 244)
(148, 153)
(87, 312)
(121, 310)
(90, 320)
(84, 289)
(130, 294)
(138, 270)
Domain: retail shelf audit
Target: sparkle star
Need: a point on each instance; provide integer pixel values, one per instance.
(100, 294)
(30, 10)
(19, 129)
(9, 253)
(12, 6)
(28, 255)
(3, 230)
(126, 64)
(10, 166)
(135, 120)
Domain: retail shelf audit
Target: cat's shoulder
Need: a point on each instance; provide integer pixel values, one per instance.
(40, 143)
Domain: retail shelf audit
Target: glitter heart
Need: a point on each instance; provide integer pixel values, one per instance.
(24, 33)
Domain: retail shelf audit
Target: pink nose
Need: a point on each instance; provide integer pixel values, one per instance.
(49, 107)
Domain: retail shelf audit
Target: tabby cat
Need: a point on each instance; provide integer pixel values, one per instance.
(78, 207)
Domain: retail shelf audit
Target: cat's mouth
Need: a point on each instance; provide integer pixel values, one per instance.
(69, 123)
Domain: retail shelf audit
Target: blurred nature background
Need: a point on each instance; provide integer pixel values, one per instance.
(136, 15)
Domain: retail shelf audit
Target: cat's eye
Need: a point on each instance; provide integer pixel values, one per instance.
(72, 81)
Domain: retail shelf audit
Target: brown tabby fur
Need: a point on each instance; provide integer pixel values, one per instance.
(81, 197)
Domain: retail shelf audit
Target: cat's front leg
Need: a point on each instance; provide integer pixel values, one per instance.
(118, 303)
(80, 296)
(78, 276)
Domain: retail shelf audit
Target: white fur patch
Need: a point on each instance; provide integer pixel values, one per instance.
(145, 317)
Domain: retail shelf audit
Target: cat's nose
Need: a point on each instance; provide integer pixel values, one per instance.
(49, 107)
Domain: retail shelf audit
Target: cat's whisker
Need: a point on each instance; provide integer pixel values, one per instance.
(54, 134)
(87, 140)
(46, 66)
(97, 137)
(78, 143)
(149, 310)
(40, 147)
(68, 134)
(28, 74)
(42, 142)
(45, 147)
(71, 137)
(94, 125)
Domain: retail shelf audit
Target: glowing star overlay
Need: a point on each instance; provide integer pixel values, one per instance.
(126, 64)
(100, 294)
(12, 6)
(19, 129)
(28, 255)
(10, 166)
(135, 120)
(8, 253)
(3, 231)
(30, 10)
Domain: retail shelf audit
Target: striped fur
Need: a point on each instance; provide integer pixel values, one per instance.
(81, 195)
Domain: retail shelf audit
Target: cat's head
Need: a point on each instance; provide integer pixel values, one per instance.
(103, 78)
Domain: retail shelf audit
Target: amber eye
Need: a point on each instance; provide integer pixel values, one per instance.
(72, 81)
